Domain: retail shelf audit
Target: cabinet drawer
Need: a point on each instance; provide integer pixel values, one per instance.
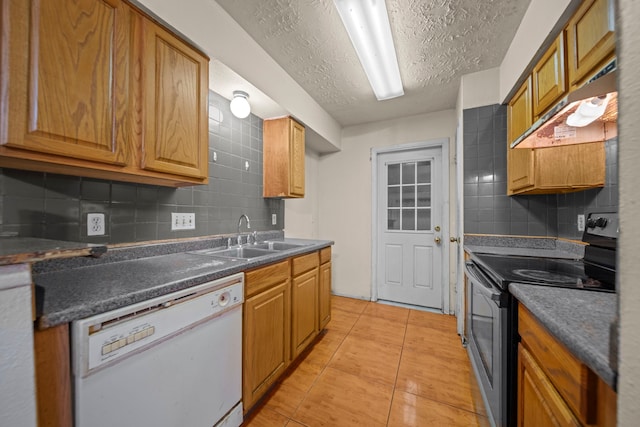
(575, 382)
(263, 278)
(304, 263)
(325, 255)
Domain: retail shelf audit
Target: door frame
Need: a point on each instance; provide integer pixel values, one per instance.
(443, 144)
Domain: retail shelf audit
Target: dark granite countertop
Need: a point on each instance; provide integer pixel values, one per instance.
(19, 250)
(579, 319)
(89, 288)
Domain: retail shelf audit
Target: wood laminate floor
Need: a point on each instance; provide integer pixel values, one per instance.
(377, 365)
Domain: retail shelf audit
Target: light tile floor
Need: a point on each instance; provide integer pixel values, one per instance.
(377, 365)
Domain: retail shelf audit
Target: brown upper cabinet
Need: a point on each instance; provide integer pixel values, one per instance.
(549, 78)
(590, 39)
(95, 88)
(174, 93)
(519, 117)
(283, 158)
(590, 45)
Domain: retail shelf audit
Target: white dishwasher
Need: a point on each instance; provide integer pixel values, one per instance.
(175, 360)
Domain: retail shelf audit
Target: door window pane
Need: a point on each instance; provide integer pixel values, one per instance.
(393, 219)
(408, 173)
(393, 197)
(408, 219)
(408, 196)
(393, 174)
(424, 172)
(424, 219)
(424, 196)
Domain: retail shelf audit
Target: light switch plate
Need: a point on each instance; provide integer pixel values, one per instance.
(580, 222)
(274, 219)
(183, 221)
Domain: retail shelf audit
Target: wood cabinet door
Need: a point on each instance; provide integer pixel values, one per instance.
(324, 295)
(304, 311)
(549, 78)
(539, 404)
(520, 169)
(519, 113)
(571, 166)
(65, 84)
(296, 183)
(283, 158)
(175, 104)
(590, 39)
(266, 340)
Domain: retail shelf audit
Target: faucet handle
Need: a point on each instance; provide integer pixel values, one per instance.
(254, 233)
(229, 242)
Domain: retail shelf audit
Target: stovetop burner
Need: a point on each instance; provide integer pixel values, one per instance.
(545, 276)
(567, 273)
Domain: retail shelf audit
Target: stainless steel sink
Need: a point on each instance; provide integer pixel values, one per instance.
(248, 252)
(244, 252)
(276, 246)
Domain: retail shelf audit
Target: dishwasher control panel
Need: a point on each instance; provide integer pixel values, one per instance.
(108, 337)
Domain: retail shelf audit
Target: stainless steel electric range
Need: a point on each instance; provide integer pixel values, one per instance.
(491, 313)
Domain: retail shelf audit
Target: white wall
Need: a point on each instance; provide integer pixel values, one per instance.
(301, 215)
(344, 192)
(629, 245)
(480, 89)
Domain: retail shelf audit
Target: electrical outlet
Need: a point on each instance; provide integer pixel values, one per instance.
(95, 224)
(580, 222)
(274, 219)
(183, 221)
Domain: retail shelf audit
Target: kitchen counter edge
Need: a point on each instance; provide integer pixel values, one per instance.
(579, 319)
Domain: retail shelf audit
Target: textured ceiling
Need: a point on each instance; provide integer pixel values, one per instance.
(436, 41)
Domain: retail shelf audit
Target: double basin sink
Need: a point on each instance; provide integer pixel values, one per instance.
(250, 251)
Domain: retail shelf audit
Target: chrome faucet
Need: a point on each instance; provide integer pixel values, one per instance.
(239, 224)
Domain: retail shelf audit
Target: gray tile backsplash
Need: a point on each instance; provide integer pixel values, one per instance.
(55, 206)
(487, 208)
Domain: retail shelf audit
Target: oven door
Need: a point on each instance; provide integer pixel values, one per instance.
(487, 328)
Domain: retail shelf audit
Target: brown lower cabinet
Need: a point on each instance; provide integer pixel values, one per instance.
(324, 291)
(286, 305)
(266, 329)
(554, 387)
(304, 302)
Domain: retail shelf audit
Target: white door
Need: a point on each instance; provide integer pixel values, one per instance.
(409, 227)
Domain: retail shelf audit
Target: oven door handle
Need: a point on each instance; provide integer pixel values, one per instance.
(486, 288)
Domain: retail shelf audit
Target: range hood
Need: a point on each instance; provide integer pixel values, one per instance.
(571, 121)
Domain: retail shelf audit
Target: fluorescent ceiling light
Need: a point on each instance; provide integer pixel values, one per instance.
(368, 26)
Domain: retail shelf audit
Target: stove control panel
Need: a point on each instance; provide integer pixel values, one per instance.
(603, 224)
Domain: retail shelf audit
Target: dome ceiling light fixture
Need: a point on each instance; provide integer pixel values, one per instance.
(367, 23)
(239, 105)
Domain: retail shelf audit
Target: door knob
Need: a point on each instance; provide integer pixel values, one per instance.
(437, 240)
(454, 239)
(437, 228)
